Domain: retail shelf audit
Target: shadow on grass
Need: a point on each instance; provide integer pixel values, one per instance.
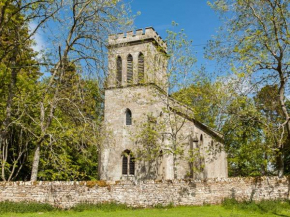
(265, 206)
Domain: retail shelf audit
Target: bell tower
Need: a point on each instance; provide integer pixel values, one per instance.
(137, 76)
(136, 59)
(135, 96)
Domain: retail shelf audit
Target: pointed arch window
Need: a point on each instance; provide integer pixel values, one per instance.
(125, 164)
(141, 68)
(155, 62)
(159, 64)
(119, 71)
(128, 163)
(201, 139)
(130, 69)
(128, 117)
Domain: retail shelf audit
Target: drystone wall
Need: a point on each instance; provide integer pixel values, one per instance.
(147, 193)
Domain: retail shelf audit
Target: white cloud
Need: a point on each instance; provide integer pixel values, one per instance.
(37, 37)
(241, 85)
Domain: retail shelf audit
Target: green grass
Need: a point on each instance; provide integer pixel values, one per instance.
(24, 207)
(266, 206)
(230, 208)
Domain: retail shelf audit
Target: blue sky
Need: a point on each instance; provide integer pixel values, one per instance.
(197, 19)
(194, 16)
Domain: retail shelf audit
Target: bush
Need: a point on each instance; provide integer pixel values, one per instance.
(264, 206)
(161, 206)
(102, 206)
(24, 207)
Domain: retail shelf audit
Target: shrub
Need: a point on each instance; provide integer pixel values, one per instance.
(102, 206)
(161, 206)
(24, 207)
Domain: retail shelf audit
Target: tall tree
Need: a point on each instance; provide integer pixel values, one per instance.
(164, 135)
(207, 100)
(18, 77)
(244, 131)
(267, 102)
(255, 42)
(70, 153)
(40, 107)
(84, 27)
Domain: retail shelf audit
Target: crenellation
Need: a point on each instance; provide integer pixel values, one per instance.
(120, 36)
(139, 32)
(130, 34)
(140, 35)
(112, 37)
(149, 31)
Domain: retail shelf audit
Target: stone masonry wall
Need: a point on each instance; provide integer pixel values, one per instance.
(147, 193)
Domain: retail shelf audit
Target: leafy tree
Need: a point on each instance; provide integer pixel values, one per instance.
(164, 135)
(206, 100)
(179, 72)
(248, 153)
(55, 119)
(148, 137)
(71, 151)
(267, 102)
(251, 134)
(83, 44)
(254, 41)
(18, 90)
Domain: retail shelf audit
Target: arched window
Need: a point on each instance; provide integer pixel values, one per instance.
(155, 62)
(201, 140)
(159, 64)
(128, 163)
(125, 164)
(129, 69)
(141, 68)
(128, 117)
(119, 71)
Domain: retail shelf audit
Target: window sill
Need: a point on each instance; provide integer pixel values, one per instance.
(128, 177)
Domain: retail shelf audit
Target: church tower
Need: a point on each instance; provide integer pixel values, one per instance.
(136, 99)
(136, 59)
(137, 68)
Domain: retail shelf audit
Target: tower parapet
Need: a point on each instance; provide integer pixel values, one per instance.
(140, 35)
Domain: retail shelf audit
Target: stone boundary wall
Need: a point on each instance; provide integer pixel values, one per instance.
(147, 193)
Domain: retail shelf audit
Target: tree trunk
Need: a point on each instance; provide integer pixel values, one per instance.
(280, 156)
(282, 100)
(9, 104)
(174, 166)
(280, 163)
(36, 157)
(35, 165)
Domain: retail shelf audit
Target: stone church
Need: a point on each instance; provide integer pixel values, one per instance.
(150, 135)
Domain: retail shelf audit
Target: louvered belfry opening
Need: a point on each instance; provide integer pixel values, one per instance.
(128, 163)
(119, 71)
(141, 68)
(129, 69)
(128, 117)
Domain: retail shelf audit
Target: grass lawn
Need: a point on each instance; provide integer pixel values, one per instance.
(202, 211)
